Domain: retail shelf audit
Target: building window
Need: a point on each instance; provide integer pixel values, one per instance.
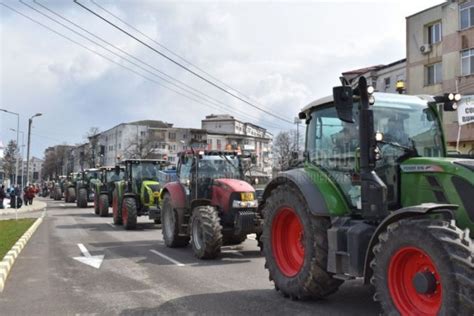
(467, 62)
(386, 82)
(120, 146)
(434, 33)
(467, 16)
(172, 136)
(142, 134)
(433, 74)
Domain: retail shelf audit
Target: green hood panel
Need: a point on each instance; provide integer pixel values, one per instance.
(434, 180)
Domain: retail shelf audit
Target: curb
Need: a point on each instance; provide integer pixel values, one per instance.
(7, 262)
(23, 209)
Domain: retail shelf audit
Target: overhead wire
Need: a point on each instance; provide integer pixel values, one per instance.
(183, 66)
(171, 51)
(103, 56)
(195, 91)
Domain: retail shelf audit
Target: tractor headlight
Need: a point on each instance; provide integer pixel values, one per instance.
(244, 204)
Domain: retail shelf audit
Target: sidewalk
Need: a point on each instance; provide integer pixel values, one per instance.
(38, 205)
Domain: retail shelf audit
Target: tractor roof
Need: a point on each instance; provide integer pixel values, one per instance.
(91, 170)
(379, 96)
(109, 168)
(211, 152)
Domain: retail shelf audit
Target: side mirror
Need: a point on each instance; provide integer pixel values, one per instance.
(344, 103)
(295, 155)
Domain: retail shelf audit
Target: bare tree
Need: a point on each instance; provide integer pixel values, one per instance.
(283, 148)
(141, 148)
(91, 151)
(9, 160)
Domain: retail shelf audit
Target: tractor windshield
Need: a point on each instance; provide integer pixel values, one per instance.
(408, 125)
(112, 175)
(215, 167)
(145, 171)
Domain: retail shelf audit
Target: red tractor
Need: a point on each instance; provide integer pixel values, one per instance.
(209, 204)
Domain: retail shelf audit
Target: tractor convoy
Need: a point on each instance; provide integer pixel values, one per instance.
(375, 197)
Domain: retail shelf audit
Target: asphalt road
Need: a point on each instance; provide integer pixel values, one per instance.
(140, 276)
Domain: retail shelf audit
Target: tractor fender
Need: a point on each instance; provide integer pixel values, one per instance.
(406, 212)
(299, 179)
(177, 194)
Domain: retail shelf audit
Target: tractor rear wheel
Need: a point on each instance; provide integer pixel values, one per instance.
(206, 232)
(116, 211)
(295, 246)
(71, 195)
(170, 225)
(129, 213)
(82, 198)
(104, 205)
(96, 204)
(58, 194)
(424, 267)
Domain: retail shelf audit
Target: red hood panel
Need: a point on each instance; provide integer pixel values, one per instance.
(236, 185)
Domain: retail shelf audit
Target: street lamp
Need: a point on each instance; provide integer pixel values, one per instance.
(22, 154)
(30, 121)
(17, 139)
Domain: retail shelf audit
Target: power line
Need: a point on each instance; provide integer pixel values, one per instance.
(101, 55)
(195, 93)
(183, 66)
(171, 52)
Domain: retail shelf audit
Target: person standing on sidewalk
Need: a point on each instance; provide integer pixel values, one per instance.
(2, 196)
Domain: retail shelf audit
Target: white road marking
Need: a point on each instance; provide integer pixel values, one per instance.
(179, 264)
(93, 261)
(62, 205)
(113, 226)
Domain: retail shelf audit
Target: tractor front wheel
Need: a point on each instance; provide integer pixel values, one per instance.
(116, 211)
(129, 213)
(71, 195)
(82, 198)
(104, 205)
(96, 204)
(170, 225)
(295, 246)
(206, 232)
(424, 267)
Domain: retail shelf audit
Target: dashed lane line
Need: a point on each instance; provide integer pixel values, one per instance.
(177, 263)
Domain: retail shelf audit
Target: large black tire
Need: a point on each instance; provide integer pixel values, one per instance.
(170, 225)
(206, 232)
(71, 195)
(228, 239)
(299, 274)
(58, 194)
(82, 198)
(104, 205)
(435, 248)
(116, 209)
(129, 213)
(96, 204)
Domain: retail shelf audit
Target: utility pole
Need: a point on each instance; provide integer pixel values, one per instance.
(297, 121)
(30, 121)
(21, 155)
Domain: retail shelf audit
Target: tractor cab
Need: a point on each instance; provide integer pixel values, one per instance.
(210, 203)
(85, 183)
(104, 187)
(139, 192)
(410, 153)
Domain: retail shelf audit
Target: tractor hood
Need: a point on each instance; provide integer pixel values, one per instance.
(442, 181)
(152, 185)
(234, 185)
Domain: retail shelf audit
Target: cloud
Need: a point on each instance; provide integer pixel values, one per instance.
(283, 55)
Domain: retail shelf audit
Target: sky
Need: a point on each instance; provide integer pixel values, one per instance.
(280, 54)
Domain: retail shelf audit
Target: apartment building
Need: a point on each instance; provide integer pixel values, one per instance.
(440, 59)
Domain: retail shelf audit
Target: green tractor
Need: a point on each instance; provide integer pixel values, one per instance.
(85, 183)
(138, 193)
(104, 188)
(70, 187)
(56, 193)
(377, 199)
